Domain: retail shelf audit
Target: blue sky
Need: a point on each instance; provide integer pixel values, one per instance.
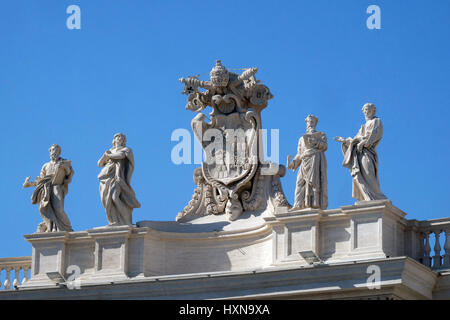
(120, 73)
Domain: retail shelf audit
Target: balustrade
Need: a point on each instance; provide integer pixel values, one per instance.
(12, 267)
(433, 231)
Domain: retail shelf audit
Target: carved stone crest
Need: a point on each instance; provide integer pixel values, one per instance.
(231, 140)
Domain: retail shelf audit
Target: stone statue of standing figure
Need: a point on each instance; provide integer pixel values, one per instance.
(311, 187)
(51, 187)
(116, 193)
(361, 158)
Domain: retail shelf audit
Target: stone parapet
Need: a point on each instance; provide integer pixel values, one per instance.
(363, 231)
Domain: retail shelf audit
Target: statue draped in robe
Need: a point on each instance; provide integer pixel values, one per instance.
(118, 198)
(311, 186)
(51, 188)
(361, 158)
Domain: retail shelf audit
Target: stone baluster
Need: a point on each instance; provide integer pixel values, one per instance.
(7, 282)
(16, 281)
(421, 252)
(437, 251)
(426, 251)
(25, 274)
(446, 260)
(16, 264)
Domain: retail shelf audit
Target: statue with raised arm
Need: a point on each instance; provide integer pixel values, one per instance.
(116, 193)
(51, 187)
(311, 187)
(360, 156)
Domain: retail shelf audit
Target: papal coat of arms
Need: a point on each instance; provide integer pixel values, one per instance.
(231, 179)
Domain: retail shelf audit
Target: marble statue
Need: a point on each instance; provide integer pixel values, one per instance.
(51, 188)
(117, 196)
(311, 187)
(360, 156)
(230, 180)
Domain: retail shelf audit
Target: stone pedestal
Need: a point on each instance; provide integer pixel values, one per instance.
(105, 254)
(365, 230)
(377, 228)
(49, 250)
(110, 252)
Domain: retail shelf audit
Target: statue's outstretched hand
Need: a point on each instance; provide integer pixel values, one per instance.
(339, 139)
(289, 164)
(27, 183)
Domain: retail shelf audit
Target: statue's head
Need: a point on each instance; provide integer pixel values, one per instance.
(369, 110)
(55, 152)
(198, 176)
(311, 121)
(219, 75)
(119, 140)
(233, 209)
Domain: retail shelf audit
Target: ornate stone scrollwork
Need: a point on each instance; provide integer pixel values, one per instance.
(231, 179)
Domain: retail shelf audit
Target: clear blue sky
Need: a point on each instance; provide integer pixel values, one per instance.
(120, 73)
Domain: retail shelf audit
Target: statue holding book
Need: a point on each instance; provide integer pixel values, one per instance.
(51, 188)
(311, 186)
